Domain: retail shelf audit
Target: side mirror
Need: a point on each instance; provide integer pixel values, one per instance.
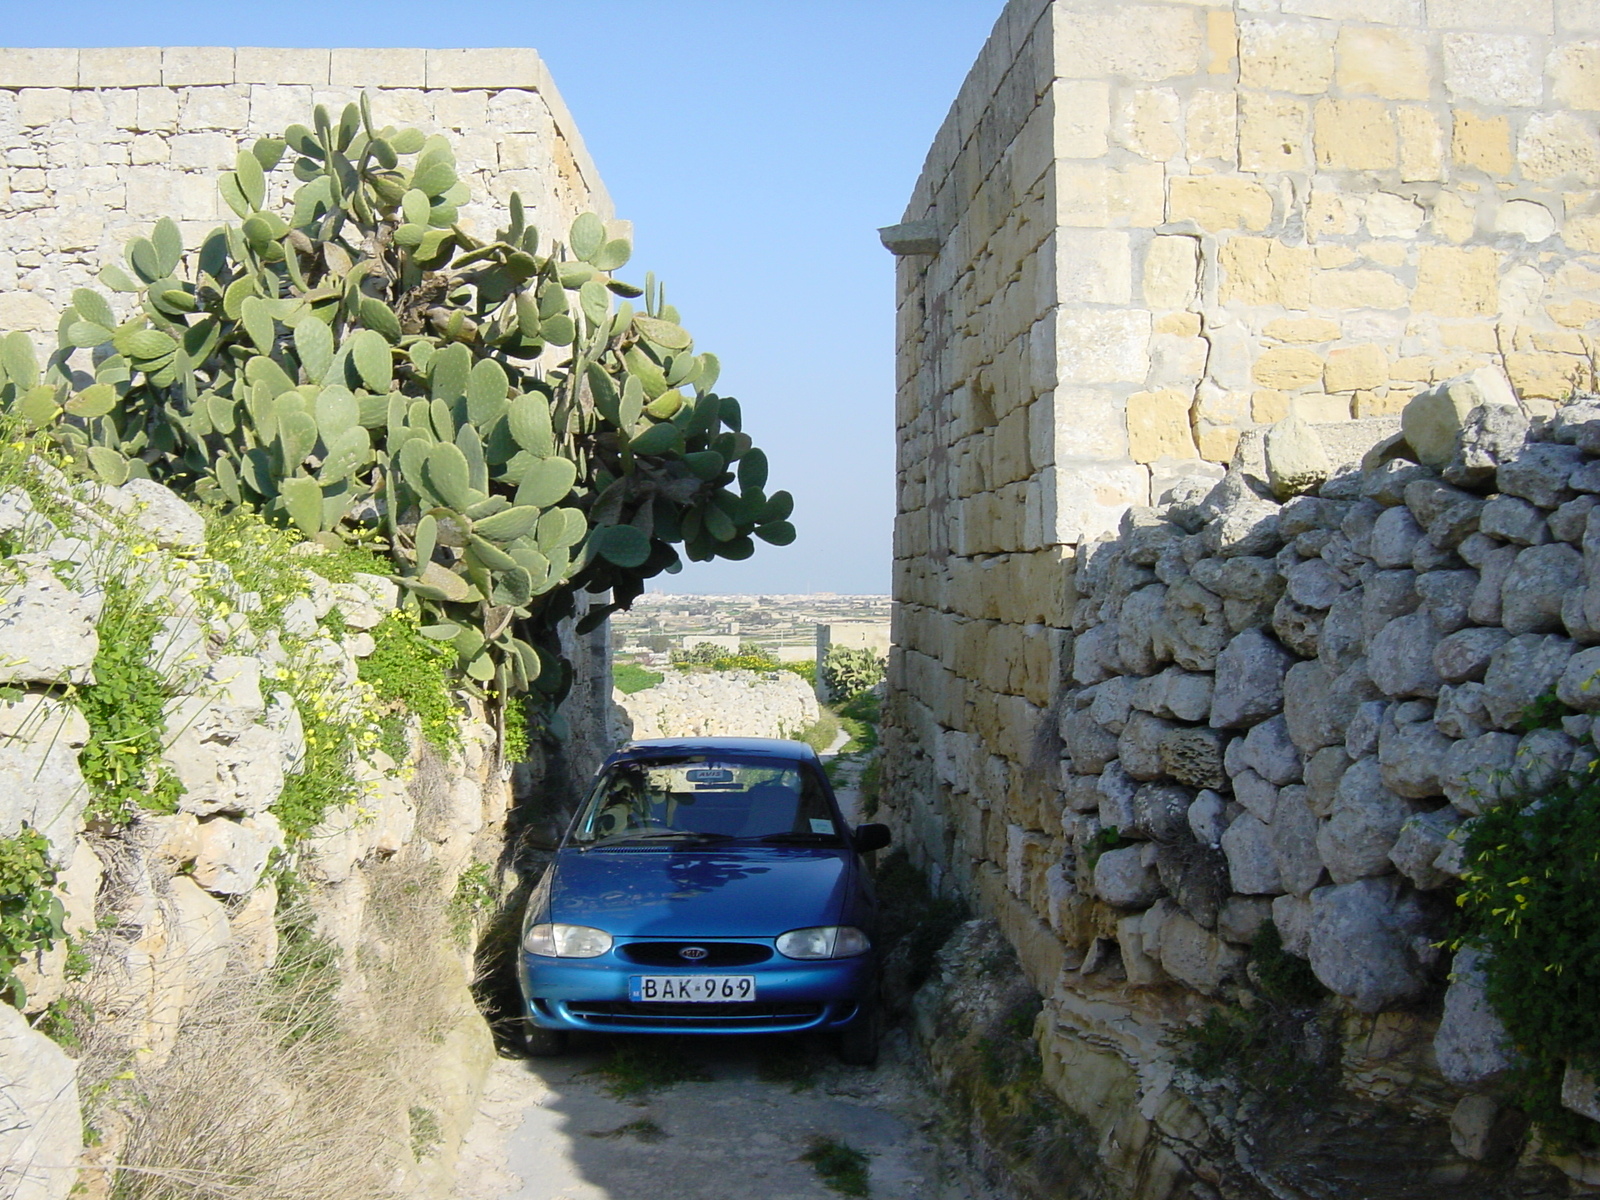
(871, 837)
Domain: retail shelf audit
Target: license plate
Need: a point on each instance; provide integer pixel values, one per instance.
(692, 989)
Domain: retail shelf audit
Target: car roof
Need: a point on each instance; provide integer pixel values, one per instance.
(780, 748)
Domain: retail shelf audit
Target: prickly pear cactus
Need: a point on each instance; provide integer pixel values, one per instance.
(499, 414)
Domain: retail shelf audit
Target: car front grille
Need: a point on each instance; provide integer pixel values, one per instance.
(718, 954)
(623, 1013)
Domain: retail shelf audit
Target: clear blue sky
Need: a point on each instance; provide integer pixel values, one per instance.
(756, 145)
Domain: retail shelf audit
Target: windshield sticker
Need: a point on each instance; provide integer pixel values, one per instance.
(821, 825)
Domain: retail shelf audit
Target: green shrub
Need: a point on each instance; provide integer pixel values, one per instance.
(843, 1168)
(911, 919)
(410, 673)
(821, 734)
(846, 673)
(31, 914)
(1529, 900)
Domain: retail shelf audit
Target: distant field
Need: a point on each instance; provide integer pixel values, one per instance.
(629, 678)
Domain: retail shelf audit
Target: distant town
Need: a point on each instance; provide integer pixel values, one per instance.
(794, 628)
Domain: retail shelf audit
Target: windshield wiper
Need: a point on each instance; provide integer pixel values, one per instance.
(661, 835)
(803, 838)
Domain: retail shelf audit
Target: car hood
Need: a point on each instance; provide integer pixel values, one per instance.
(698, 892)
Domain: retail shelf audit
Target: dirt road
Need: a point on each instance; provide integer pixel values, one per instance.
(592, 1127)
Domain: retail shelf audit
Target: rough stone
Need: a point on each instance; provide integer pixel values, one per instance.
(1360, 945)
(1579, 686)
(47, 630)
(1447, 597)
(1252, 866)
(1249, 680)
(41, 1138)
(1196, 957)
(1521, 671)
(1240, 918)
(1422, 839)
(1539, 473)
(1296, 460)
(1271, 752)
(1449, 514)
(158, 511)
(1482, 1130)
(1477, 771)
(1317, 583)
(1087, 745)
(1139, 746)
(40, 783)
(1194, 756)
(1386, 596)
(1293, 835)
(1471, 1046)
(1513, 520)
(1122, 879)
(1161, 812)
(1484, 608)
(1362, 825)
(1538, 582)
(1467, 653)
(1410, 757)
(1460, 712)
(1207, 818)
(1176, 694)
(1255, 794)
(1195, 877)
(1400, 658)
(1433, 420)
(1491, 434)
(1395, 535)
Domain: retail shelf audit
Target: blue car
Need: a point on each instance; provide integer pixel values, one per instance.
(706, 886)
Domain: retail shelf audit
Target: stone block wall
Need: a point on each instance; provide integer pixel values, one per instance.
(1144, 234)
(97, 144)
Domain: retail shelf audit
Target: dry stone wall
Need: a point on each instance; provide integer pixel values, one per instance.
(1290, 707)
(717, 704)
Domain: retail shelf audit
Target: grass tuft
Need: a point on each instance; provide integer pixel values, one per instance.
(637, 1068)
(843, 1168)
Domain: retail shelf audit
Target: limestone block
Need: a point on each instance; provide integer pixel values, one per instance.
(1103, 346)
(1082, 118)
(1360, 945)
(166, 518)
(1421, 144)
(1391, 63)
(1217, 203)
(1252, 866)
(1195, 956)
(47, 629)
(1351, 367)
(1357, 288)
(1481, 141)
(1471, 1045)
(1575, 75)
(232, 854)
(1158, 425)
(1136, 41)
(393, 68)
(196, 66)
(38, 68)
(1296, 460)
(1495, 69)
(1211, 126)
(506, 67)
(1288, 367)
(118, 66)
(1147, 123)
(1379, 12)
(1481, 1129)
(42, 1136)
(1354, 135)
(1171, 272)
(1288, 57)
(1457, 282)
(1362, 826)
(1557, 146)
(1263, 271)
(280, 67)
(1274, 133)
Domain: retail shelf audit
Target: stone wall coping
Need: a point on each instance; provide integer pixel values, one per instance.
(470, 68)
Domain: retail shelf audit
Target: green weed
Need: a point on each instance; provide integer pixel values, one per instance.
(409, 673)
(637, 1068)
(912, 918)
(475, 898)
(31, 914)
(843, 1168)
(425, 1132)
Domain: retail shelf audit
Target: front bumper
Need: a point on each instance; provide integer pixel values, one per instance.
(791, 996)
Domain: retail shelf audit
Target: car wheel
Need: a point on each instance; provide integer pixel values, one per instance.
(538, 1042)
(858, 1041)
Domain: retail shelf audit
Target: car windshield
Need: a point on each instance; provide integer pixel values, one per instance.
(708, 797)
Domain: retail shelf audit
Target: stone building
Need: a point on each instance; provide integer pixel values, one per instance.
(1146, 233)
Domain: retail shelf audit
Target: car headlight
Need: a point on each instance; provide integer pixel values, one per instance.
(566, 941)
(824, 941)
